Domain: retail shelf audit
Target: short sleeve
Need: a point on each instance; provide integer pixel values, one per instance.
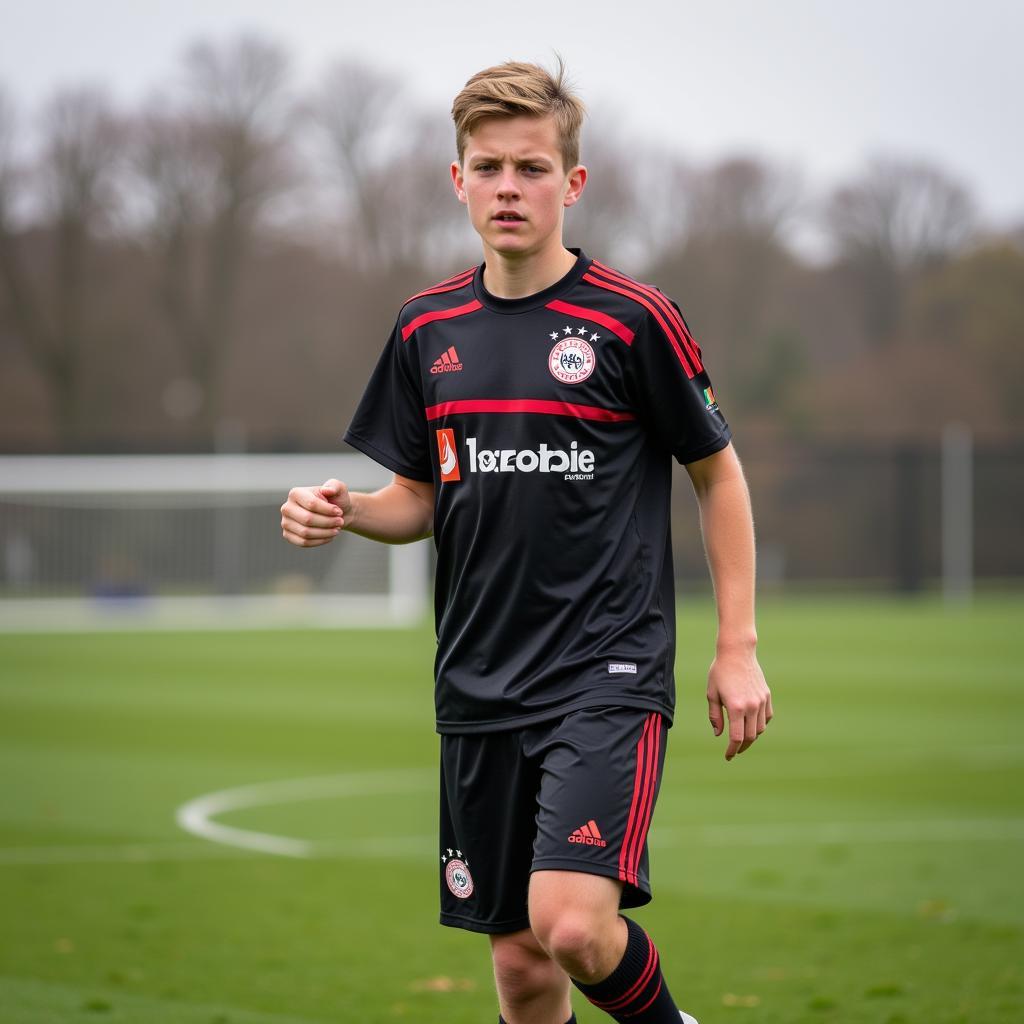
(671, 391)
(390, 424)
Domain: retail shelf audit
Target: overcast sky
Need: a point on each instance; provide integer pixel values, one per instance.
(818, 83)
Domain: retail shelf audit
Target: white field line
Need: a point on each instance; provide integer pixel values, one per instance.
(196, 817)
(856, 833)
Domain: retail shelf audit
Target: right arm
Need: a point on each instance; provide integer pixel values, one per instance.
(401, 512)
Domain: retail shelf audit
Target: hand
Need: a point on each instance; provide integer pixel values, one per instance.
(316, 515)
(737, 685)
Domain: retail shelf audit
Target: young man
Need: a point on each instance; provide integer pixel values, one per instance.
(529, 408)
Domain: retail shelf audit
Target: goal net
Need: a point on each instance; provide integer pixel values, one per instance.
(174, 541)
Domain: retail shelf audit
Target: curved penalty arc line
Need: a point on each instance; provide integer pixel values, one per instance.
(196, 816)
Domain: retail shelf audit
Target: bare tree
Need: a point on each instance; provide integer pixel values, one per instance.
(209, 167)
(356, 108)
(731, 253)
(742, 197)
(607, 222)
(898, 218)
(75, 174)
(387, 164)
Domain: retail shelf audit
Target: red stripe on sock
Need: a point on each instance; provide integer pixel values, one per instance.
(638, 986)
(636, 1013)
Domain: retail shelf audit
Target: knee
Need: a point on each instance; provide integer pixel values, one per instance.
(522, 973)
(576, 942)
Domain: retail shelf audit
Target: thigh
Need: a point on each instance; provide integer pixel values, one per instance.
(601, 771)
(488, 810)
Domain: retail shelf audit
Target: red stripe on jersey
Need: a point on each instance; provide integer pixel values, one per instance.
(542, 407)
(440, 314)
(663, 302)
(463, 277)
(595, 316)
(639, 297)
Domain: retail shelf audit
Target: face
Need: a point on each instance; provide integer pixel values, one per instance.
(515, 186)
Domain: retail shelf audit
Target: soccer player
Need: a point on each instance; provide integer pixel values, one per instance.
(529, 409)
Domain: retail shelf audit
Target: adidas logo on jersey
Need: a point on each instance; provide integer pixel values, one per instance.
(448, 362)
(587, 835)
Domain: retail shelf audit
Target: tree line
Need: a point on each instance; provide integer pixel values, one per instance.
(219, 265)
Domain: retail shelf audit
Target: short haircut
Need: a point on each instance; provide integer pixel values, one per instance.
(515, 89)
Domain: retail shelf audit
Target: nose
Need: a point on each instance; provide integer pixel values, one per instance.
(508, 187)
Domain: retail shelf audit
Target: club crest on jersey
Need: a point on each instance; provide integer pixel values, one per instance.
(456, 874)
(448, 457)
(572, 359)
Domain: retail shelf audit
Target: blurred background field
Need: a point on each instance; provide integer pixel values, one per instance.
(859, 865)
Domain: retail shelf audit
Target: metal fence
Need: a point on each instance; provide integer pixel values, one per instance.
(874, 516)
(193, 540)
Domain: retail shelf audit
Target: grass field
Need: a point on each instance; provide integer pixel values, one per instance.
(861, 864)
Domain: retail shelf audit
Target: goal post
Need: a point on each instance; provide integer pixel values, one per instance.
(190, 542)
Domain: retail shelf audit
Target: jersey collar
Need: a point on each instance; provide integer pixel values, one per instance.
(538, 299)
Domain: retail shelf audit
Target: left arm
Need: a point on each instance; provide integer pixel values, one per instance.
(735, 681)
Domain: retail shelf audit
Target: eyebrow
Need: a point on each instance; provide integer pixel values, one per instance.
(492, 158)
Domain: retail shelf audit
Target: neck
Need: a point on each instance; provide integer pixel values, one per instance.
(516, 276)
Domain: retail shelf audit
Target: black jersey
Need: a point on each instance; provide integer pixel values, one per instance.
(547, 426)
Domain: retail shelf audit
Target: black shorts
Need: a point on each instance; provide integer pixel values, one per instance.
(572, 794)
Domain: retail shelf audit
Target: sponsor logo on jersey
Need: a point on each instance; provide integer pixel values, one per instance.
(448, 362)
(572, 360)
(576, 463)
(456, 874)
(587, 835)
(620, 667)
(710, 400)
(448, 457)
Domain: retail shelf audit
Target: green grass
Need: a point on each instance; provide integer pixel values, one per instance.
(861, 864)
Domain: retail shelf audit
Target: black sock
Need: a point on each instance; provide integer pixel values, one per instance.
(635, 992)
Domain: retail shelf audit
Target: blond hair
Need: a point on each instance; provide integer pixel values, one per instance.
(515, 89)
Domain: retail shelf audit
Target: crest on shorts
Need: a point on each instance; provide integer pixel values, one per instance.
(456, 874)
(572, 360)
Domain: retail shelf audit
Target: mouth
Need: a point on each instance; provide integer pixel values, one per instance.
(509, 217)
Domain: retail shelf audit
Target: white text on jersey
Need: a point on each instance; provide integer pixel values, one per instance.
(576, 464)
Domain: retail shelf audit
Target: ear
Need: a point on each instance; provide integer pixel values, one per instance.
(457, 181)
(577, 182)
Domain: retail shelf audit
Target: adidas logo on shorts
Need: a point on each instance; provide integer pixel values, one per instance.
(588, 835)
